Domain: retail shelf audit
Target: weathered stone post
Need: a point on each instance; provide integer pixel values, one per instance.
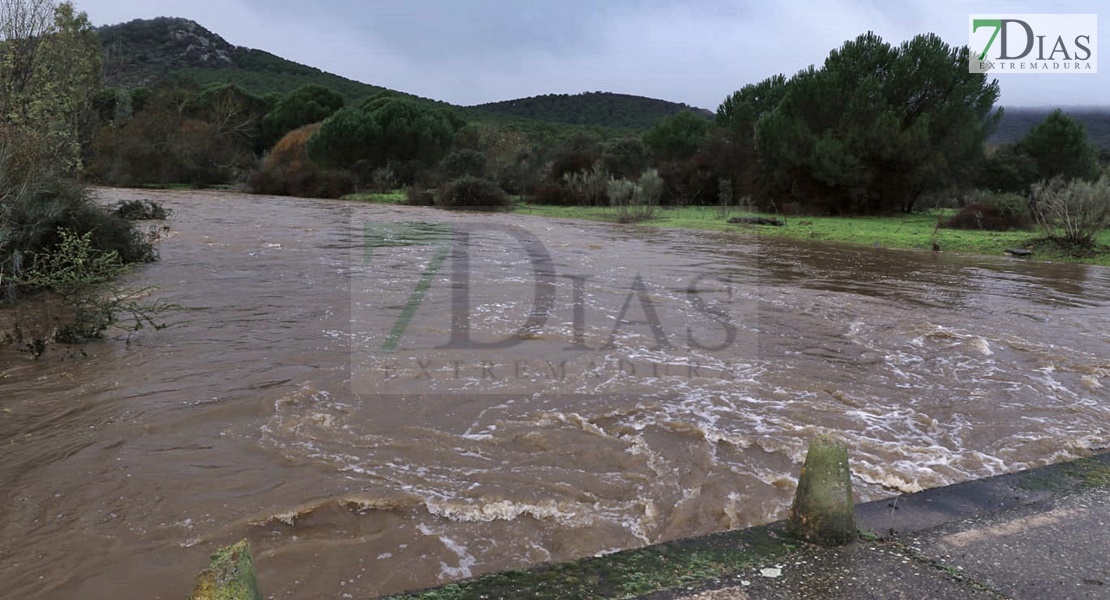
(230, 576)
(823, 511)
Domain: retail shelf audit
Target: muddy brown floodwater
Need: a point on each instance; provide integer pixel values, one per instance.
(344, 392)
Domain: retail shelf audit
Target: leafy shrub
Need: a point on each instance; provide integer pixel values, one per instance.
(1072, 213)
(472, 193)
(590, 185)
(992, 212)
(651, 187)
(636, 200)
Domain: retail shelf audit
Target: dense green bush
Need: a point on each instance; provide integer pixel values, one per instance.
(992, 212)
(472, 193)
(463, 163)
(1008, 169)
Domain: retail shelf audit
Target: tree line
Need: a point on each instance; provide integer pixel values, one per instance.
(875, 129)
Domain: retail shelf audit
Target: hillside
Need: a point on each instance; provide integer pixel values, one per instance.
(142, 52)
(1016, 122)
(591, 108)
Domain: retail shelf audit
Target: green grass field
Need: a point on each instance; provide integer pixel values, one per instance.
(902, 231)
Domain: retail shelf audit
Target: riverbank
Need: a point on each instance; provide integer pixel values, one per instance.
(961, 541)
(916, 231)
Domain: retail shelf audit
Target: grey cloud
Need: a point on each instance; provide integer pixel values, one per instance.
(698, 52)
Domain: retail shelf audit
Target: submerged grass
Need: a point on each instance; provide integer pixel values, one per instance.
(395, 197)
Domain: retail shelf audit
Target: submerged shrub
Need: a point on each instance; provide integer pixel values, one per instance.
(415, 196)
(472, 193)
(141, 210)
(75, 275)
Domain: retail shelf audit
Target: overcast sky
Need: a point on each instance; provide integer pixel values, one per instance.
(697, 52)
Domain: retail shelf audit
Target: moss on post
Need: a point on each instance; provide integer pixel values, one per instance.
(230, 576)
(823, 511)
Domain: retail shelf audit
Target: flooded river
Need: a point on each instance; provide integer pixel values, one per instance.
(382, 398)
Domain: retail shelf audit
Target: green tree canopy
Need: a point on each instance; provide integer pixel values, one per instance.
(306, 105)
(625, 158)
(346, 137)
(50, 66)
(877, 126)
(386, 128)
(412, 131)
(1060, 148)
(740, 112)
(677, 137)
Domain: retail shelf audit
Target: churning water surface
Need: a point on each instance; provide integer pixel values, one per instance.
(383, 398)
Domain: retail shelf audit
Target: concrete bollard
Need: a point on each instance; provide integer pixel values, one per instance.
(823, 511)
(230, 576)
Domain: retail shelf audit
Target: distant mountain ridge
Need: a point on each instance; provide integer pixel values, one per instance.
(1017, 121)
(590, 108)
(144, 51)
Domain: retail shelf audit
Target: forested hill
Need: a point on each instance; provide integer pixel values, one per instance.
(145, 51)
(1016, 122)
(142, 52)
(592, 108)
